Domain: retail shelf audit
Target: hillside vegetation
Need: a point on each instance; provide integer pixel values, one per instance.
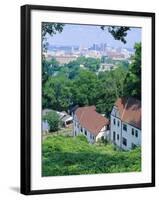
(65, 155)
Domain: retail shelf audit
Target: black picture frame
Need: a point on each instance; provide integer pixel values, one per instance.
(26, 98)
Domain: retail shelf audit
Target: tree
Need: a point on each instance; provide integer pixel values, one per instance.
(50, 29)
(103, 59)
(123, 64)
(90, 63)
(49, 68)
(110, 87)
(93, 64)
(133, 79)
(57, 93)
(118, 32)
(53, 120)
(85, 88)
(73, 68)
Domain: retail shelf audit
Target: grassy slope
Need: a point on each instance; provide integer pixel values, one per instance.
(64, 155)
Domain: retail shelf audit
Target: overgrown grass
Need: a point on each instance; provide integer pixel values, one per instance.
(65, 155)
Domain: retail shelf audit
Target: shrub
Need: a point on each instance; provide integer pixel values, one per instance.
(74, 155)
(53, 120)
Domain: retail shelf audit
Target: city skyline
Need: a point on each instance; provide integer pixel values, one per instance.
(86, 35)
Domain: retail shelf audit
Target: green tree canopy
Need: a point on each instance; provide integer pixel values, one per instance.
(57, 93)
(49, 68)
(85, 88)
(110, 87)
(133, 78)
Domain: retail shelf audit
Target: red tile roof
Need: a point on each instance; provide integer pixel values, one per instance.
(90, 119)
(129, 111)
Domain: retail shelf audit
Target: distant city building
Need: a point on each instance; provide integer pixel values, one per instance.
(115, 55)
(106, 67)
(66, 54)
(65, 59)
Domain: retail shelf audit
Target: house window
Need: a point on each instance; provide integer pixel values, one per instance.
(85, 132)
(114, 136)
(118, 137)
(114, 121)
(136, 133)
(124, 127)
(118, 123)
(81, 129)
(124, 141)
(132, 131)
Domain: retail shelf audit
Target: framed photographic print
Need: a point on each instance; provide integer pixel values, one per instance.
(87, 99)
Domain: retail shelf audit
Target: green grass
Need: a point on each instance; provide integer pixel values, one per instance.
(65, 155)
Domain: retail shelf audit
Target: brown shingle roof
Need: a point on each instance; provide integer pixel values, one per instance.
(90, 119)
(129, 110)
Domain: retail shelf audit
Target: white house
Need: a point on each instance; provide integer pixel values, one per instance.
(125, 123)
(65, 118)
(88, 122)
(45, 127)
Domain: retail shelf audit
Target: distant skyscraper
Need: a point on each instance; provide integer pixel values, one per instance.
(105, 46)
(94, 46)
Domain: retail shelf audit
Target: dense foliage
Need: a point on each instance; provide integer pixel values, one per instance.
(64, 155)
(88, 88)
(79, 82)
(133, 80)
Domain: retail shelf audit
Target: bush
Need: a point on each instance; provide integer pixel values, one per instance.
(53, 120)
(102, 141)
(74, 155)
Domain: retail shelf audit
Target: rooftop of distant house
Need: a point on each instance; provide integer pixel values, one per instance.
(129, 110)
(63, 115)
(46, 111)
(90, 119)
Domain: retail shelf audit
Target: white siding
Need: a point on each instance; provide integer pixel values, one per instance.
(103, 133)
(131, 138)
(45, 127)
(77, 129)
(90, 137)
(76, 126)
(117, 128)
(115, 112)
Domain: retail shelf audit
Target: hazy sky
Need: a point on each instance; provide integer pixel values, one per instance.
(86, 35)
